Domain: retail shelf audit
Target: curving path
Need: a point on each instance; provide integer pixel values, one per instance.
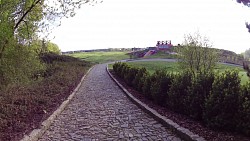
(101, 111)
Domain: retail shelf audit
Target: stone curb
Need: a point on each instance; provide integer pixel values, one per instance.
(182, 132)
(37, 133)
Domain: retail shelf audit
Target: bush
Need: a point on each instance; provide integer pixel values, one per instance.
(201, 85)
(147, 82)
(18, 65)
(55, 62)
(244, 110)
(178, 92)
(138, 81)
(116, 66)
(50, 57)
(160, 86)
(120, 68)
(129, 75)
(124, 70)
(221, 107)
(218, 100)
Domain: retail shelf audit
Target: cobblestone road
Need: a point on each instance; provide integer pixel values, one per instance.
(100, 111)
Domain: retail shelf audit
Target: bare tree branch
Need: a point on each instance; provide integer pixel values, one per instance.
(26, 13)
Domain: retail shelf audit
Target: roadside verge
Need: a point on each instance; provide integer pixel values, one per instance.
(37, 133)
(182, 132)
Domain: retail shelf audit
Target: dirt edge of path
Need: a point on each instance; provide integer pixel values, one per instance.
(35, 134)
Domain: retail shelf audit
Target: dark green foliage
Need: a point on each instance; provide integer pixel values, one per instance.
(18, 65)
(55, 61)
(178, 92)
(221, 107)
(142, 81)
(116, 66)
(138, 81)
(124, 70)
(246, 68)
(120, 69)
(218, 100)
(148, 80)
(160, 86)
(199, 90)
(49, 58)
(244, 110)
(130, 74)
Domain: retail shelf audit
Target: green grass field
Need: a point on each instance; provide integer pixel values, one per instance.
(151, 66)
(162, 55)
(101, 57)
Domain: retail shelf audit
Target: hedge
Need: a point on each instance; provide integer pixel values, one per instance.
(217, 100)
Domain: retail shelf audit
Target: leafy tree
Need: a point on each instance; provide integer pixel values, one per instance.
(42, 46)
(196, 54)
(52, 47)
(20, 23)
(27, 17)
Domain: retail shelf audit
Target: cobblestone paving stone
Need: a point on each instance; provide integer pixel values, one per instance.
(101, 111)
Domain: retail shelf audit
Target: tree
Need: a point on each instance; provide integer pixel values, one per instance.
(52, 47)
(23, 19)
(245, 2)
(42, 46)
(20, 23)
(196, 54)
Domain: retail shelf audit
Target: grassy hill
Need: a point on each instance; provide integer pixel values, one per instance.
(101, 57)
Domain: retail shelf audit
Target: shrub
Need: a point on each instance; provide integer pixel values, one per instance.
(130, 74)
(221, 107)
(50, 57)
(116, 66)
(138, 82)
(120, 69)
(18, 65)
(147, 82)
(216, 99)
(160, 86)
(244, 110)
(142, 81)
(124, 70)
(199, 90)
(178, 92)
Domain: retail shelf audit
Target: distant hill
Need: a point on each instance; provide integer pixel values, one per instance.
(225, 56)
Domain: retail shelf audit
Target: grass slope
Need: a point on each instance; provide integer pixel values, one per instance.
(162, 55)
(101, 57)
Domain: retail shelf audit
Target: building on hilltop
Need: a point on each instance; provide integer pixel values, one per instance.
(164, 45)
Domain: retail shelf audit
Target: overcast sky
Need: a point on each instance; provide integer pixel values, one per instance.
(137, 23)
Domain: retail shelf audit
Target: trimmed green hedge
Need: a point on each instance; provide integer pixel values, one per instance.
(217, 100)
